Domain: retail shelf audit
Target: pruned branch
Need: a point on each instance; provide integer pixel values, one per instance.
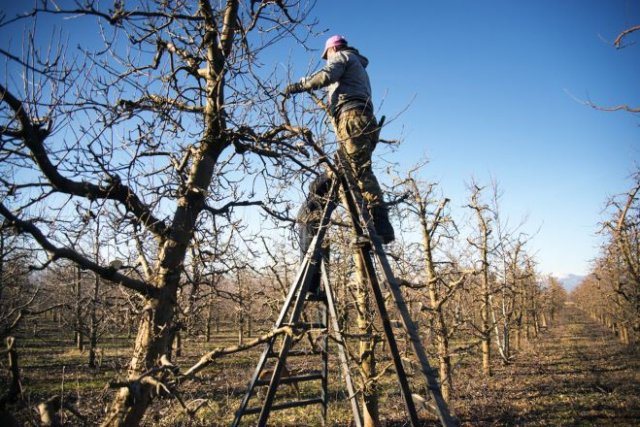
(210, 357)
(115, 18)
(154, 102)
(617, 42)
(589, 103)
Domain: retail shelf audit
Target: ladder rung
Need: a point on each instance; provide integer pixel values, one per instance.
(288, 380)
(307, 326)
(314, 326)
(287, 405)
(273, 354)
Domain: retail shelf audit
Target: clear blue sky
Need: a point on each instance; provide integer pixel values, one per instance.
(490, 91)
(493, 84)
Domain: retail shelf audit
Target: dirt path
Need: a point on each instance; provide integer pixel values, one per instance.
(574, 374)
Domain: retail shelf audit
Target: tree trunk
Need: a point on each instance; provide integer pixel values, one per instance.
(129, 323)
(367, 347)
(177, 344)
(543, 320)
(209, 319)
(240, 328)
(536, 324)
(485, 309)
(624, 334)
(151, 343)
(154, 332)
(485, 313)
(445, 366)
(241, 309)
(93, 325)
(78, 311)
(437, 320)
(507, 341)
(1, 264)
(156, 324)
(518, 333)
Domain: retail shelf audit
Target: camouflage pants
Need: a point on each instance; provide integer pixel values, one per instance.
(358, 134)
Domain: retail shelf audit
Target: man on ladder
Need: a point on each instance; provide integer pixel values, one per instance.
(351, 108)
(357, 130)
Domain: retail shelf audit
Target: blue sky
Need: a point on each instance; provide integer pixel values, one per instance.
(486, 90)
(490, 89)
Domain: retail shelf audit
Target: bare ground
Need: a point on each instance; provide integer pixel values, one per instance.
(574, 374)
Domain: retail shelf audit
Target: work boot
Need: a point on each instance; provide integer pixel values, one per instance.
(383, 227)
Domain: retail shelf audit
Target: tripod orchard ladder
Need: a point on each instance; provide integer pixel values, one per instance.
(368, 247)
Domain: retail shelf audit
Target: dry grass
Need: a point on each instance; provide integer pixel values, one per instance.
(574, 374)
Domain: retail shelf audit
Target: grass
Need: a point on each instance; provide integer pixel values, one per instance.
(574, 374)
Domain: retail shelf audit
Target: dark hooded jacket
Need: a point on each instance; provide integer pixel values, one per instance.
(346, 80)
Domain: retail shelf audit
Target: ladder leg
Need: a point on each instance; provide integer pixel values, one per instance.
(325, 361)
(304, 270)
(314, 253)
(390, 337)
(410, 327)
(362, 225)
(298, 290)
(344, 362)
(287, 342)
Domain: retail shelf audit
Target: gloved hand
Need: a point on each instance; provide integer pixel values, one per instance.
(292, 88)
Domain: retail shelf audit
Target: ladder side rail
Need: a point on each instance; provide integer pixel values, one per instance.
(411, 329)
(287, 342)
(312, 258)
(351, 200)
(313, 255)
(390, 337)
(269, 346)
(344, 362)
(431, 380)
(252, 383)
(303, 274)
(325, 353)
(303, 277)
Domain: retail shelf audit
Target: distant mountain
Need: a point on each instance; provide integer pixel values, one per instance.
(570, 281)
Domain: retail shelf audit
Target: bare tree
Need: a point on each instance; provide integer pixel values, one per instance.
(441, 283)
(612, 292)
(140, 128)
(483, 244)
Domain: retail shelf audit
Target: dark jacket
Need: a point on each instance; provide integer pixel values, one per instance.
(346, 80)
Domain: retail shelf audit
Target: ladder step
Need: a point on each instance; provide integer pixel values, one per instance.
(288, 380)
(314, 326)
(273, 354)
(307, 326)
(287, 405)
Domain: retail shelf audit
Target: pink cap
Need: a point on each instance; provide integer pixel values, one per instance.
(333, 41)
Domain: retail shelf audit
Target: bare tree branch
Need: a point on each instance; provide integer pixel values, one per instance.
(107, 273)
(623, 34)
(34, 137)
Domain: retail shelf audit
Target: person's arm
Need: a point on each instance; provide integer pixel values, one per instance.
(330, 73)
